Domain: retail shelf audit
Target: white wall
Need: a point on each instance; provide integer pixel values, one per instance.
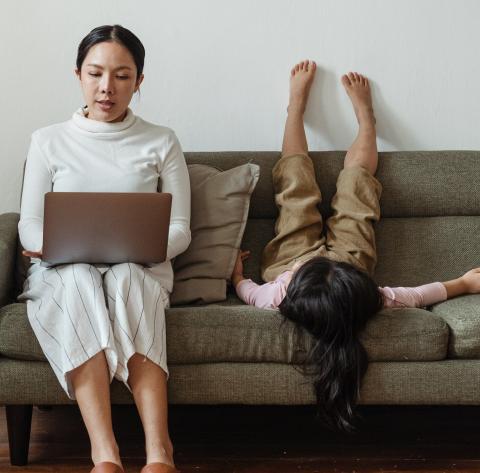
(217, 71)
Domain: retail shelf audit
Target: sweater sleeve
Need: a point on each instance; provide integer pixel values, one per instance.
(175, 180)
(37, 182)
(420, 296)
(265, 296)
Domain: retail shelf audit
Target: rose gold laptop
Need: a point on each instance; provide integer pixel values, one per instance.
(105, 227)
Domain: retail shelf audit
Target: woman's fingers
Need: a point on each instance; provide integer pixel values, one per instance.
(32, 254)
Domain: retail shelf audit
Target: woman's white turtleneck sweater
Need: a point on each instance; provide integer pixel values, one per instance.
(85, 155)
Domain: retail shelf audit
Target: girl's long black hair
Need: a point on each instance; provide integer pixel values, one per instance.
(333, 302)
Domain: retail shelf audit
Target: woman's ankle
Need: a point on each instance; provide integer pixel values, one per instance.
(106, 453)
(162, 453)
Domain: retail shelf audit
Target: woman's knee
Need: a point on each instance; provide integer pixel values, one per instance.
(76, 273)
(96, 366)
(124, 271)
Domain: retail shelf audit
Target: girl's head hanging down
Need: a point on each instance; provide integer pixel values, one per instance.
(333, 302)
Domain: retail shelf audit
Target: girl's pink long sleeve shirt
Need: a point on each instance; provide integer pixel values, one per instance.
(271, 294)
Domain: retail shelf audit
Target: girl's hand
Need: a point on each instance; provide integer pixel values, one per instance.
(471, 281)
(238, 268)
(32, 254)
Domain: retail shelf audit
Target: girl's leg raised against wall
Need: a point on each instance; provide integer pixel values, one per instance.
(299, 224)
(363, 151)
(350, 234)
(294, 138)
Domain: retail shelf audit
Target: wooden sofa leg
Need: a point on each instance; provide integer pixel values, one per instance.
(19, 422)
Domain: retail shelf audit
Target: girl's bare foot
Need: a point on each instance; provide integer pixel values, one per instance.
(358, 89)
(363, 151)
(301, 79)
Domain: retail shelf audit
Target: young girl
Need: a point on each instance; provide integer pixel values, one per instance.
(323, 283)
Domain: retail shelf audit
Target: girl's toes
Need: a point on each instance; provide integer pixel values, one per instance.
(346, 81)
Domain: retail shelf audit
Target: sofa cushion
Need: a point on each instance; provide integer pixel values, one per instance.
(233, 332)
(413, 251)
(220, 203)
(462, 314)
(442, 382)
(415, 183)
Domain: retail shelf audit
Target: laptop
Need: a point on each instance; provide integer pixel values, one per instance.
(105, 227)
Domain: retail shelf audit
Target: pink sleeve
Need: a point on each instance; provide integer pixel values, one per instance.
(265, 296)
(420, 296)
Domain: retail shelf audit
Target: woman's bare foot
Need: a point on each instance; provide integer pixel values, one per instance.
(301, 78)
(358, 89)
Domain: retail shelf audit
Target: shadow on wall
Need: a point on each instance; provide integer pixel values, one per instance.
(335, 127)
(322, 114)
(391, 129)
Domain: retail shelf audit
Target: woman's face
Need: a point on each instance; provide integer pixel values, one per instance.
(108, 78)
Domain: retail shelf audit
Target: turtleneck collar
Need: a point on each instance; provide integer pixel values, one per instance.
(95, 126)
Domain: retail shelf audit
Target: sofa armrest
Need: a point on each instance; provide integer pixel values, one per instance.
(8, 251)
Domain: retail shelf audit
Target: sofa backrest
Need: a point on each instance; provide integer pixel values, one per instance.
(430, 206)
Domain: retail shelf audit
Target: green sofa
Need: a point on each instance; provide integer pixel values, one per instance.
(229, 353)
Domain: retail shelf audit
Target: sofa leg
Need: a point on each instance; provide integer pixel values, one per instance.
(19, 422)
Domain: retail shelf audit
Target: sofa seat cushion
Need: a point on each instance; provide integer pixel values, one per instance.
(233, 332)
(406, 334)
(462, 314)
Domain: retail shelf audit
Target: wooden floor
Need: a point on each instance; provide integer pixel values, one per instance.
(267, 440)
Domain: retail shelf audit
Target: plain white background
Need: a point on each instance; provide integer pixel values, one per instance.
(217, 70)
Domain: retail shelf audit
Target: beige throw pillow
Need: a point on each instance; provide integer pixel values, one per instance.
(220, 203)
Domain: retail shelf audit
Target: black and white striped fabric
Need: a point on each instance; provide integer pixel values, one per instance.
(77, 310)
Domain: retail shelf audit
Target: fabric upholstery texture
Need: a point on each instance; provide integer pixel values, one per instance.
(462, 314)
(8, 246)
(234, 332)
(403, 383)
(220, 203)
(229, 353)
(413, 251)
(415, 183)
(437, 189)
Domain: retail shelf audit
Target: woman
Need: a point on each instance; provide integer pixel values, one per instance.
(323, 283)
(97, 322)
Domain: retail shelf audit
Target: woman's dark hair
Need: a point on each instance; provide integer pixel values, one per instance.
(113, 33)
(333, 302)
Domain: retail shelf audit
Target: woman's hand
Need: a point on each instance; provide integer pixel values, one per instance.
(237, 273)
(471, 281)
(32, 254)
